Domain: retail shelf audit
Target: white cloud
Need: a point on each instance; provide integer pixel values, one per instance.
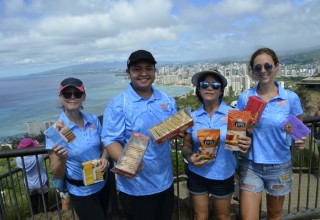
(63, 32)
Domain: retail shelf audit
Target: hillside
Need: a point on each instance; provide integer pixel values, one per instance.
(302, 58)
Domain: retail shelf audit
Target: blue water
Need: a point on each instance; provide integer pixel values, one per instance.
(35, 97)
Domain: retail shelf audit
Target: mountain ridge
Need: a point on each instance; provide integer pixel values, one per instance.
(300, 56)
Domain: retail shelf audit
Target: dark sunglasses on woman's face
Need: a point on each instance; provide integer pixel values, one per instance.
(257, 69)
(214, 85)
(68, 95)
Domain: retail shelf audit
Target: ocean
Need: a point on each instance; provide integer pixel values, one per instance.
(34, 98)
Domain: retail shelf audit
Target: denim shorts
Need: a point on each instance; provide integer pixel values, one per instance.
(276, 179)
(199, 185)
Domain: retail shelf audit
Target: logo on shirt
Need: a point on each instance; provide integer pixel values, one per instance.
(163, 106)
(224, 118)
(92, 127)
(282, 103)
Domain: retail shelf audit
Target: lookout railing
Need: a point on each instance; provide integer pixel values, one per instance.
(15, 202)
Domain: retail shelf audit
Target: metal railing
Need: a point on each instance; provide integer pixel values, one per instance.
(15, 202)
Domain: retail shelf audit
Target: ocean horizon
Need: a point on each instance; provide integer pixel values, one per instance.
(34, 98)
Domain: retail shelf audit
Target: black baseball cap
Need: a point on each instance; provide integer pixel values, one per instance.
(215, 73)
(72, 82)
(140, 55)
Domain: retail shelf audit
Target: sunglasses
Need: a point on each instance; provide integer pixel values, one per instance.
(214, 85)
(68, 95)
(257, 69)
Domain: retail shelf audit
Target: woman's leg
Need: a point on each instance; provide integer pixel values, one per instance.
(34, 203)
(250, 205)
(200, 206)
(221, 208)
(46, 200)
(274, 207)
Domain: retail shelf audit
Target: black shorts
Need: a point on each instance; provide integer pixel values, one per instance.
(199, 185)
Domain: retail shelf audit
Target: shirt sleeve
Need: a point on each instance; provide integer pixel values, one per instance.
(295, 103)
(241, 103)
(113, 125)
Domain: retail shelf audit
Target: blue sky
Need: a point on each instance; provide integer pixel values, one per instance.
(37, 35)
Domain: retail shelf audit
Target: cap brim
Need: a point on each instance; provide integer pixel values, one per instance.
(197, 76)
(141, 59)
(80, 88)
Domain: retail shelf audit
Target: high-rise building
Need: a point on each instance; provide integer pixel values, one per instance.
(33, 128)
(246, 82)
(47, 124)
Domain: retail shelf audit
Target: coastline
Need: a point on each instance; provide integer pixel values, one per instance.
(29, 108)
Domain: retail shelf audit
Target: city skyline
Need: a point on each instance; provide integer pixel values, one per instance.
(42, 35)
(177, 74)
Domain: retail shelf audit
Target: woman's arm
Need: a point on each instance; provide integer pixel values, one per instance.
(194, 159)
(299, 144)
(58, 158)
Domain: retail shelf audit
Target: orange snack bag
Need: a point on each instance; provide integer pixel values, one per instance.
(256, 107)
(237, 125)
(209, 143)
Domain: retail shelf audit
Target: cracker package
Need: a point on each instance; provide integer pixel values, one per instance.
(91, 172)
(132, 155)
(209, 143)
(256, 107)
(172, 126)
(295, 128)
(60, 134)
(237, 125)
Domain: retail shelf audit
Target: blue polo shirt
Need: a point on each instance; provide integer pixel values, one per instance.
(127, 113)
(224, 165)
(85, 147)
(270, 143)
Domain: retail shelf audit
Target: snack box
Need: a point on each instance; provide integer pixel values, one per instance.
(237, 126)
(91, 173)
(256, 107)
(131, 156)
(172, 126)
(209, 143)
(295, 128)
(60, 134)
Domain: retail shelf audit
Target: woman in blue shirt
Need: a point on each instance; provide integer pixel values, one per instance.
(268, 164)
(67, 161)
(211, 179)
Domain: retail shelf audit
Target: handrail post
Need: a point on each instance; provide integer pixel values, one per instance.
(177, 176)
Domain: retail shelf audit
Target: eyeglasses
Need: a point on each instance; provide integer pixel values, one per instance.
(214, 85)
(68, 95)
(257, 69)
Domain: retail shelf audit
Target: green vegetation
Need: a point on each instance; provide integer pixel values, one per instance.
(188, 100)
(303, 58)
(181, 164)
(17, 188)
